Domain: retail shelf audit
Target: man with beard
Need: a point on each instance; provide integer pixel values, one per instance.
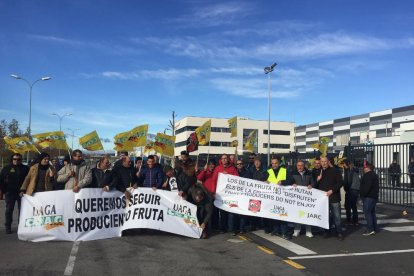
(41, 177)
(11, 179)
(185, 173)
(330, 181)
(76, 174)
(124, 177)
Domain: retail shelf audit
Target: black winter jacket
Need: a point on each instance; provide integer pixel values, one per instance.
(370, 185)
(12, 177)
(331, 180)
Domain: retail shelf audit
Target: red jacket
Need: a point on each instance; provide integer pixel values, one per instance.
(207, 178)
(230, 169)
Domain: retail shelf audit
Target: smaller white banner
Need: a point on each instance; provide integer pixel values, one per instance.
(255, 198)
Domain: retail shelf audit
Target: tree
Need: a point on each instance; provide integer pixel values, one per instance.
(14, 130)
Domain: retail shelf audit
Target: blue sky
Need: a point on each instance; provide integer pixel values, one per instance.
(119, 64)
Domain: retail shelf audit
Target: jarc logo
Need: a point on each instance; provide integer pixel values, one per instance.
(45, 216)
(309, 215)
(183, 211)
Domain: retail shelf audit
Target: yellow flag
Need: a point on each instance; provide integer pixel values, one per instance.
(20, 144)
(233, 126)
(322, 146)
(55, 139)
(203, 133)
(120, 142)
(164, 144)
(91, 141)
(137, 136)
(251, 141)
(149, 147)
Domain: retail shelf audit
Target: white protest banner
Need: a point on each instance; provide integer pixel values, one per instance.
(255, 198)
(93, 214)
(162, 210)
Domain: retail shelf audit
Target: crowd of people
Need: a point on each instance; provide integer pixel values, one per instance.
(198, 186)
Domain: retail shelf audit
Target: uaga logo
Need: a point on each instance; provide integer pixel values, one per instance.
(255, 205)
(183, 212)
(45, 216)
(231, 203)
(279, 210)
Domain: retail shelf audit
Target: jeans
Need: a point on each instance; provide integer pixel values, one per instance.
(280, 226)
(232, 221)
(395, 180)
(11, 199)
(223, 220)
(369, 204)
(351, 199)
(335, 216)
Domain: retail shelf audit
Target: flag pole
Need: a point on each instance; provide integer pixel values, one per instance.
(208, 152)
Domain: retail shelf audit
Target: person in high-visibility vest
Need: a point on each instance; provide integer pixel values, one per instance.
(279, 176)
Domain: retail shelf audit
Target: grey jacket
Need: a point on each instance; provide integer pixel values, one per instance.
(298, 179)
(82, 173)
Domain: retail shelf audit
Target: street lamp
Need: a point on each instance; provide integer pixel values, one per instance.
(17, 77)
(60, 121)
(73, 134)
(61, 118)
(268, 70)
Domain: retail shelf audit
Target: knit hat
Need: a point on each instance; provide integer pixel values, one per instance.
(42, 156)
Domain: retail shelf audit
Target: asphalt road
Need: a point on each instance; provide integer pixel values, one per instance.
(156, 253)
(142, 253)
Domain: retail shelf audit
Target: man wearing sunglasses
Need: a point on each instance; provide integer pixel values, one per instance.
(11, 179)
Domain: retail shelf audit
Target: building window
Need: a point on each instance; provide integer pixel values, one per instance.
(277, 146)
(277, 132)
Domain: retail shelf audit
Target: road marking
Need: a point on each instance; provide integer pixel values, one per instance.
(386, 221)
(244, 238)
(295, 248)
(294, 264)
(352, 254)
(265, 249)
(399, 228)
(235, 240)
(72, 258)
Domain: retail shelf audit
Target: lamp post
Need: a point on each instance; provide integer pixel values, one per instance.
(30, 84)
(60, 121)
(267, 71)
(73, 134)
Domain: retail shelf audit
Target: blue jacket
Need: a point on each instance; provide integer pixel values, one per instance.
(152, 177)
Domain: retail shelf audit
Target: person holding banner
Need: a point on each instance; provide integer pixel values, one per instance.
(206, 178)
(226, 168)
(241, 219)
(170, 181)
(76, 174)
(11, 179)
(302, 177)
(330, 181)
(199, 196)
(101, 173)
(279, 176)
(151, 175)
(124, 177)
(186, 173)
(41, 177)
